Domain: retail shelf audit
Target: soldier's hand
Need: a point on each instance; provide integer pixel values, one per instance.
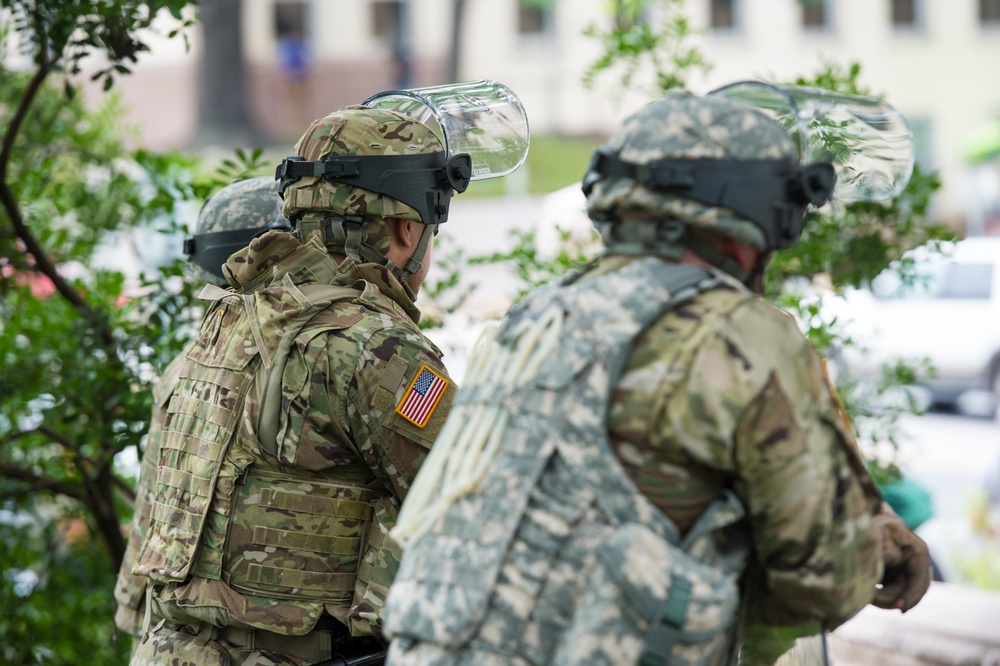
(907, 564)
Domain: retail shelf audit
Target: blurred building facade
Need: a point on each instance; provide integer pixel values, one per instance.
(304, 58)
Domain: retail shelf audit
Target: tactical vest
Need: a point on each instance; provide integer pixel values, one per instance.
(553, 556)
(288, 542)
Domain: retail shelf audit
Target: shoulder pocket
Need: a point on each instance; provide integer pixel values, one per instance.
(648, 602)
(411, 395)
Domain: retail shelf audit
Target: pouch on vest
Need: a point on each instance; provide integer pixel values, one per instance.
(201, 420)
(296, 538)
(377, 569)
(648, 602)
(166, 647)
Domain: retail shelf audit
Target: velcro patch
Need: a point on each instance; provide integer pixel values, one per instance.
(422, 397)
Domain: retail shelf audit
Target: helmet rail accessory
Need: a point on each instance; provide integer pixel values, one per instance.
(426, 182)
(771, 193)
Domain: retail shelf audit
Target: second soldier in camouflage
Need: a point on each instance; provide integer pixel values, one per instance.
(299, 418)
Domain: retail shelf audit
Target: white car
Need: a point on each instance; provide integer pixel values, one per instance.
(946, 313)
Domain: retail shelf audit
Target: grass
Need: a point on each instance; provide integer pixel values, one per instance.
(552, 163)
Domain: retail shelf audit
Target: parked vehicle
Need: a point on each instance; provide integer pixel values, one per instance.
(938, 308)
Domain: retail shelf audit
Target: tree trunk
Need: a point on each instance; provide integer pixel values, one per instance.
(457, 10)
(223, 118)
(102, 507)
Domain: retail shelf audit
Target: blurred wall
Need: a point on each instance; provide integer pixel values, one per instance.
(937, 70)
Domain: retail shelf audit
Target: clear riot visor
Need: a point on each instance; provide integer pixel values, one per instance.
(482, 118)
(868, 141)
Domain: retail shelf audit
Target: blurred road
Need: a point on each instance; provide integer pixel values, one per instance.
(951, 455)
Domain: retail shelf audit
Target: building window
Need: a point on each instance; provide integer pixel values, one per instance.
(292, 39)
(386, 19)
(289, 19)
(723, 15)
(906, 14)
(989, 12)
(533, 17)
(815, 14)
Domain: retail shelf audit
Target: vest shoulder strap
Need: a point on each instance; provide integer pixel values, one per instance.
(320, 295)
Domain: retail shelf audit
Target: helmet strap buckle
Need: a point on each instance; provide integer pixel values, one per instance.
(355, 233)
(306, 229)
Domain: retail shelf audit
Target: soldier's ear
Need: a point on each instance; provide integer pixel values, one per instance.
(403, 232)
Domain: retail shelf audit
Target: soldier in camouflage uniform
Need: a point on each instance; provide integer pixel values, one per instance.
(676, 467)
(228, 221)
(303, 410)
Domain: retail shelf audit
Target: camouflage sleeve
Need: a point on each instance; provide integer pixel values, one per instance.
(399, 399)
(130, 590)
(808, 496)
(344, 395)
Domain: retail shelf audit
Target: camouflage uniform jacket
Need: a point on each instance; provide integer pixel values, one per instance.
(726, 392)
(552, 556)
(247, 534)
(753, 462)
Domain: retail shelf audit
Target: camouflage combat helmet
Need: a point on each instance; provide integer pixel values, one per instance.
(685, 162)
(228, 221)
(348, 200)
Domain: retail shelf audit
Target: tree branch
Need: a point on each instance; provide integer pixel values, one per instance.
(56, 437)
(104, 467)
(42, 261)
(126, 489)
(30, 92)
(38, 482)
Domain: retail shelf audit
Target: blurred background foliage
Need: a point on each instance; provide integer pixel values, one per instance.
(78, 349)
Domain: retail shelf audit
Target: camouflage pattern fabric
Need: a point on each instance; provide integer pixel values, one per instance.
(383, 132)
(687, 127)
(249, 204)
(179, 648)
(243, 538)
(726, 392)
(553, 556)
(130, 590)
(722, 392)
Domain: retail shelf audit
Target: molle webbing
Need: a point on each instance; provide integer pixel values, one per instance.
(288, 528)
(202, 417)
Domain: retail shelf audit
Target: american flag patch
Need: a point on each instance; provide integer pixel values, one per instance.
(422, 397)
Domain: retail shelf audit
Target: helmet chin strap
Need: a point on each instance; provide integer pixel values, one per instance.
(415, 262)
(755, 281)
(669, 239)
(348, 234)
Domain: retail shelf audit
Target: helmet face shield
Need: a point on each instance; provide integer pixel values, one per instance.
(483, 119)
(867, 140)
(481, 127)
